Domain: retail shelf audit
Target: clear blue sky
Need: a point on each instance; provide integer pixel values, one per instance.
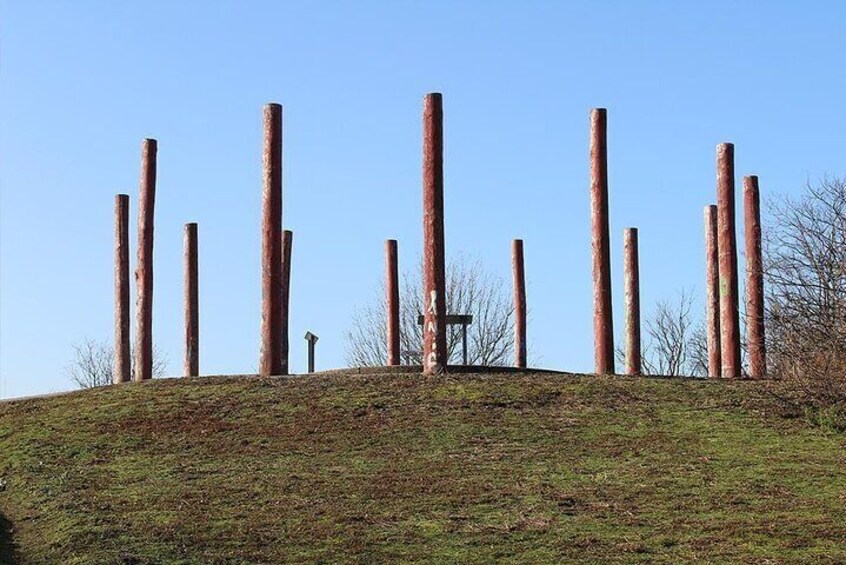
(81, 83)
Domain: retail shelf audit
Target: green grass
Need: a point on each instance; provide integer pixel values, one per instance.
(534, 468)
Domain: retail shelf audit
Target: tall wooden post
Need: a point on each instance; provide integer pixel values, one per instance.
(727, 247)
(144, 269)
(191, 302)
(754, 279)
(519, 277)
(270, 361)
(631, 274)
(434, 270)
(712, 286)
(123, 362)
(392, 301)
(603, 326)
(287, 242)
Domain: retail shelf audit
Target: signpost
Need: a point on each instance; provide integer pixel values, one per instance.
(463, 320)
(311, 339)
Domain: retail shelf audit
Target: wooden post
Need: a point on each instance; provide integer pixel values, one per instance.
(123, 361)
(287, 242)
(631, 270)
(519, 278)
(754, 279)
(434, 270)
(727, 246)
(191, 302)
(712, 286)
(392, 301)
(270, 361)
(144, 269)
(603, 325)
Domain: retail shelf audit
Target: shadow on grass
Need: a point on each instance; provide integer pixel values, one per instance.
(8, 550)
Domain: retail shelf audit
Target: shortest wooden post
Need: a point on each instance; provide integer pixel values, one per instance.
(191, 298)
(631, 285)
(311, 339)
(519, 275)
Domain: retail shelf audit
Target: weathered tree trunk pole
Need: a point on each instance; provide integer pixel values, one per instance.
(144, 268)
(123, 361)
(287, 242)
(754, 279)
(727, 247)
(434, 270)
(191, 302)
(270, 360)
(712, 289)
(392, 298)
(631, 276)
(603, 326)
(519, 276)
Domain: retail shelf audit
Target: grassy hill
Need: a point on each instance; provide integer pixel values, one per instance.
(386, 468)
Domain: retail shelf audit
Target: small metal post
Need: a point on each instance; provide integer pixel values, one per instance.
(464, 344)
(603, 326)
(123, 361)
(311, 339)
(144, 269)
(191, 303)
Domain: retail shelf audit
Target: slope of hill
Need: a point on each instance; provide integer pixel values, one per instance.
(385, 468)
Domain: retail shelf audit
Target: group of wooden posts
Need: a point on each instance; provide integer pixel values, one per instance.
(722, 308)
(721, 254)
(276, 270)
(722, 304)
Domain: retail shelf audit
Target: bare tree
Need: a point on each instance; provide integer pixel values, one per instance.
(697, 354)
(94, 362)
(470, 290)
(669, 330)
(805, 276)
(675, 344)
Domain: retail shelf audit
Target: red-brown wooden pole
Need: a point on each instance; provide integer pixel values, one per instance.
(603, 326)
(270, 361)
(434, 270)
(712, 286)
(754, 279)
(631, 280)
(727, 247)
(519, 277)
(392, 297)
(123, 361)
(144, 268)
(191, 302)
(287, 242)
